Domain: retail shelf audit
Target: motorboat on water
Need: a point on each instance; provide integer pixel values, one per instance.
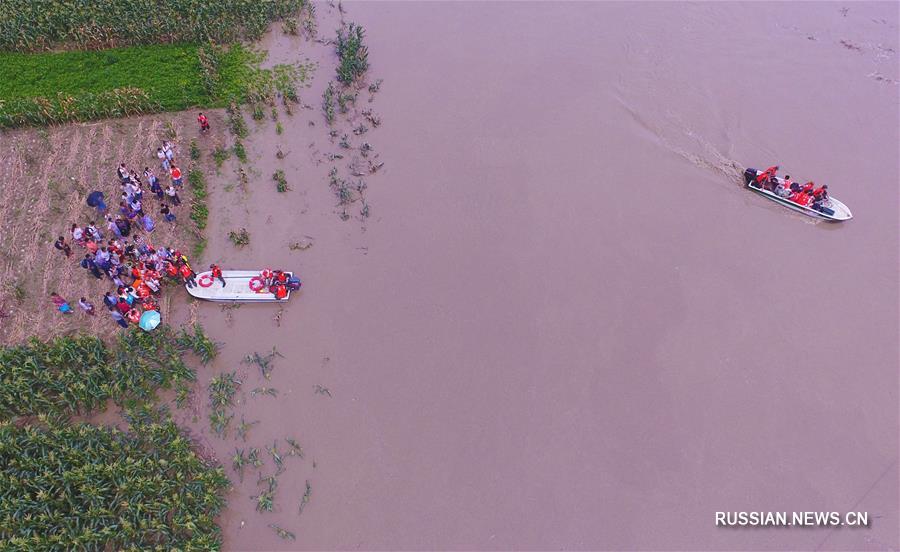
(834, 211)
(241, 286)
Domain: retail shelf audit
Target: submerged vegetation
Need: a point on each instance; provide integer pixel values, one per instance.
(352, 53)
(221, 391)
(280, 181)
(239, 238)
(328, 103)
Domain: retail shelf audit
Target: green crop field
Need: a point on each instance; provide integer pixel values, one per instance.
(32, 25)
(56, 87)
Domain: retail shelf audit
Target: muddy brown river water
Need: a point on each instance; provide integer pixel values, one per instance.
(566, 324)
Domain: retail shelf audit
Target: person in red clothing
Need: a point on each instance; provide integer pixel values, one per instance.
(217, 273)
(281, 277)
(176, 177)
(171, 270)
(188, 275)
(803, 197)
(204, 122)
(766, 179)
(821, 193)
(280, 291)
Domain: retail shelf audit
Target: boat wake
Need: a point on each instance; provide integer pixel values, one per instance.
(699, 151)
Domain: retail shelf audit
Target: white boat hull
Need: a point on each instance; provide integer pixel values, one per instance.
(236, 290)
(841, 211)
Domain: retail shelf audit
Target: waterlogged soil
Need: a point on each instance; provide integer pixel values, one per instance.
(45, 177)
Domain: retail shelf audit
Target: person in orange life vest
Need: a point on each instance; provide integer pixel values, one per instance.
(801, 197)
(821, 193)
(765, 178)
(171, 269)
(266, 276)
(281, 277)
(143, 291)
(188, 275)
(280, 291)
(217, 273)
(133, 316)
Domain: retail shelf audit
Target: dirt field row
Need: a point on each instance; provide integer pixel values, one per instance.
(45, 176)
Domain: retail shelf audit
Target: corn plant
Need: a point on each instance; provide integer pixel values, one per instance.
(283, 533)
(78, 374)
(97, 488)
(328, 103)
(263, 361)
(26, 25)
(352, 53)
(239, 238)
(280, 181)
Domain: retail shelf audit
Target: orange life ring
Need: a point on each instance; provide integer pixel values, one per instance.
(257, 284)
(205, 281)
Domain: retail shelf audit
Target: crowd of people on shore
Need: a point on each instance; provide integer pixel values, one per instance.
(134, 266)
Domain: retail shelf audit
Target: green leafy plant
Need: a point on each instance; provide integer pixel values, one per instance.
(58, 87)
(352, 53)
(259, 113)
(221, 391)
(220, 155)
(264, 362)
(26, 25)
(328, 103)
(239, 151)
(281, 181)
(78, 374)
(239, 238)
(195, 150)
(289, 26)
(98, 488)
(199, 214)
(236, 123)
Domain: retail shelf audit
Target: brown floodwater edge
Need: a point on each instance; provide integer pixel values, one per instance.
(566, 325)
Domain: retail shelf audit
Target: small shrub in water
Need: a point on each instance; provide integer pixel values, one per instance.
(328, 103)
(220, 155)
(258, 112)
(239, 151)
(290, 26)
(236, 121)
(281, 181)
(353, 54)
(239, 238)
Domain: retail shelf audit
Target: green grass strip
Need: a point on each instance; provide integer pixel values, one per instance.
(58, 87)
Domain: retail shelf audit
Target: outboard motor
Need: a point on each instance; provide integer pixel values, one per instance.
(749, 175)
